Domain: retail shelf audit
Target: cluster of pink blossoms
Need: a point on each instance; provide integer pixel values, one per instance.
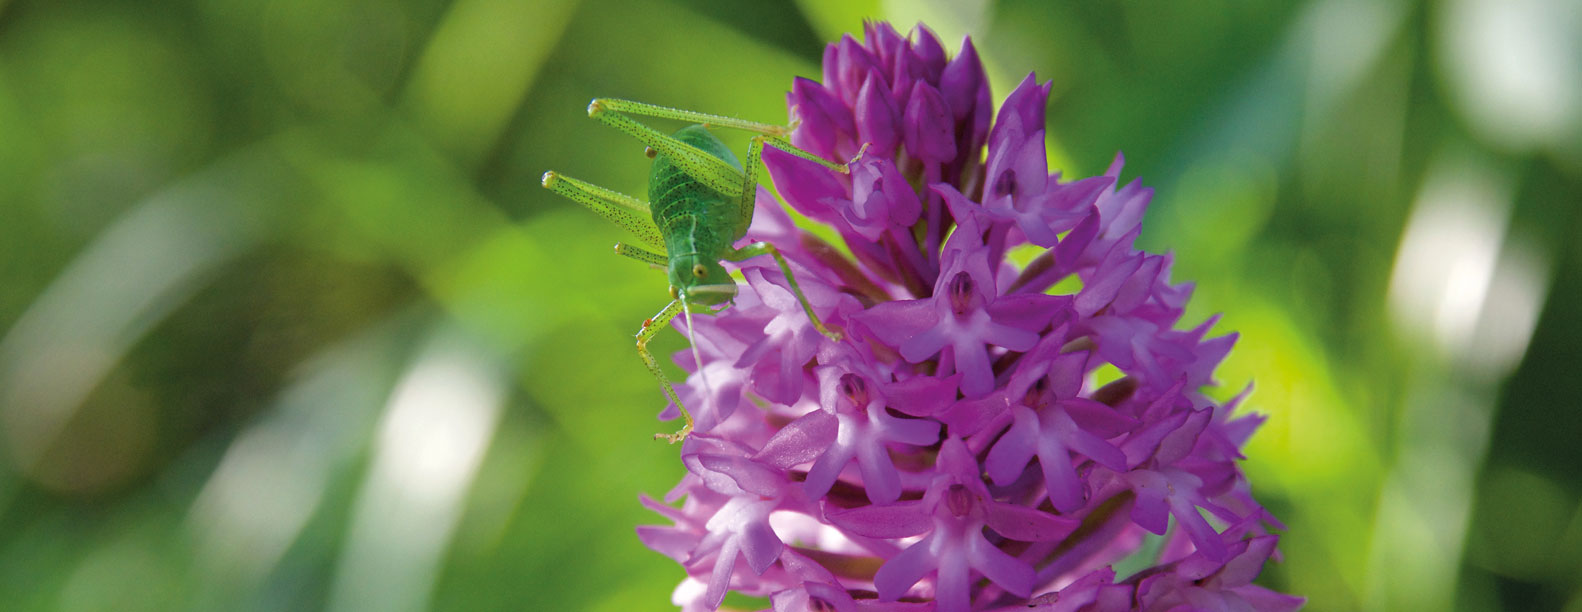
(953, 451)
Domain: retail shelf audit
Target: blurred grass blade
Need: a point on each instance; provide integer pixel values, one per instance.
(478, 67)
(431, 439)
(273, 477)
(122, 284)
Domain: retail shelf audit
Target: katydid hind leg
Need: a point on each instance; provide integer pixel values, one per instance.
(664, 112)
(650, 328)
(712, 171)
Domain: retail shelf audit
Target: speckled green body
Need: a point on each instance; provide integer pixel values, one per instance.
(699, 224)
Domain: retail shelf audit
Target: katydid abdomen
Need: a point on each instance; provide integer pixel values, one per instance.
(699, 224)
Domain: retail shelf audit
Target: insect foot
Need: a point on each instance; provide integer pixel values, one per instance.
(675, 437)
(858, 157)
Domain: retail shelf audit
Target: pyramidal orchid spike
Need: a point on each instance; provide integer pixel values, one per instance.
(956, 449)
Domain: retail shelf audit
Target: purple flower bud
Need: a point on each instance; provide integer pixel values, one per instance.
(962, 80)
(930, 55)
(883, 42)
(853, 62)
(906, 73)
(928, 126)
(878, 118)
(824, 123)
(1023, 111)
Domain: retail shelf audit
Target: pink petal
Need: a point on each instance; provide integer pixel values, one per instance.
(972, 362)
(1265, 600)
(1025, 524)
(1150, 510)
(1203, 536)
(1011, 453)
(952, 590)
(794, 600)
(889, 521)
(1066, 373)
(1027, 311)
(1245, 565)
(898, 574)
(826, 470)
(668, 541)
(1180, 442)
(1139, 447)
(879, 476)
(961, 79)
(1098, 293)
(1097, 449)
(926, 343)
(1097, 417)
(750, 475)
(720, 578)
(801, 441)
(1082, 194)
(917, 432)
(968, 416)
(955, 460)
(893, 323)
(1010, 573)
(802, 599)
(921, 395)
(1060, 477)
(760, 545)
(1075, 596)
(1076, 242)
(1014, 338)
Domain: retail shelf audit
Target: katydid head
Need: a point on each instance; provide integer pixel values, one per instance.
(699, 280)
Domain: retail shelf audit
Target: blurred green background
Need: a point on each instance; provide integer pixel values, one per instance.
(286, 321)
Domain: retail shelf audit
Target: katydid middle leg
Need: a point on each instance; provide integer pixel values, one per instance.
(655, 260)
(760, 248)
(748, 203)
(619, 208)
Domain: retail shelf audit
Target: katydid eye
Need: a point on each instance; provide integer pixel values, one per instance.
(700, 271)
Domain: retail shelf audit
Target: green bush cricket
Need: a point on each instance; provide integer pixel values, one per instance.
(701, 203)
